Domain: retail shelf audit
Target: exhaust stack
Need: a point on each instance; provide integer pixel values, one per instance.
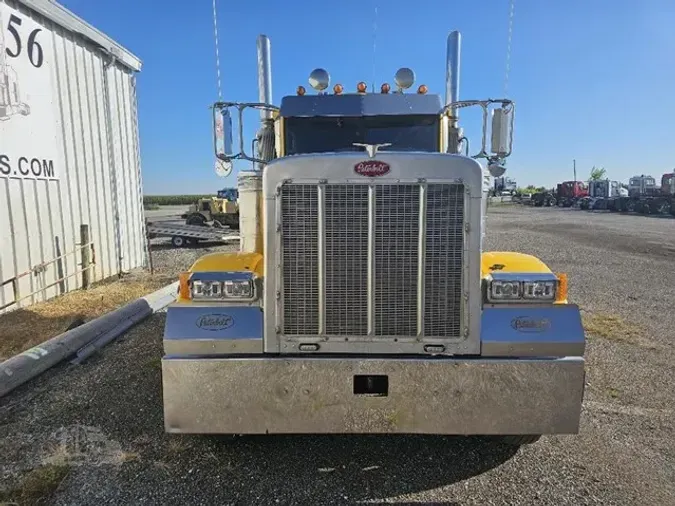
(264, 75)
(452, 90)
(452, 69)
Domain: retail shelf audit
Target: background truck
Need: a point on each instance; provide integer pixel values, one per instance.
(644, 196)
(504, 185)
(568, 193)
(361, 300)
(603, 195)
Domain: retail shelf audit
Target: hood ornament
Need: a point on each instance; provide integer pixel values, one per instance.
(371, 149)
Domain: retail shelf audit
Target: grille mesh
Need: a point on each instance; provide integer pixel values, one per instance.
(346, 225)
(395, 243)
(396, 255)
(443, 260)
(300, 261)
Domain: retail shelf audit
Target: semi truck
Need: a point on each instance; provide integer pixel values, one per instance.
(603, 195)
(361, 300)
(568, 193)
(645, 196)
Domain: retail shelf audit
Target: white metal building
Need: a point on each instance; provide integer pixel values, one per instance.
(69, 153)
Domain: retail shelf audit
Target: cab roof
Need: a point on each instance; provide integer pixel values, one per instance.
(357, 104)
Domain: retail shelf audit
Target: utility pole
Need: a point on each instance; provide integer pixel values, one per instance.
(575, 169)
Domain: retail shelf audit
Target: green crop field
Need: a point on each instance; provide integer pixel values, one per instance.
(172, 200)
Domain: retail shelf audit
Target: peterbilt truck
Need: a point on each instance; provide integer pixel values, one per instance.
(361, 300)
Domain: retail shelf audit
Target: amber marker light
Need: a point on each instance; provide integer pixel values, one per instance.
(184, 285)
(561, 292)
(361, 87)
(422, 90)
(301, 90)
(385, 88)
(338, 89)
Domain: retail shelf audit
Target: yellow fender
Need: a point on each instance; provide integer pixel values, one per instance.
(512, 261)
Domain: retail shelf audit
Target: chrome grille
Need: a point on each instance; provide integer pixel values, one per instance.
(300, 262)
(396, 256)
(383, 260)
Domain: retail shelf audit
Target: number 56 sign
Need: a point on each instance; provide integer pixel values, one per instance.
(16, 47)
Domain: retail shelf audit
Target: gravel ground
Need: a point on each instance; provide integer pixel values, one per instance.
(103, 419)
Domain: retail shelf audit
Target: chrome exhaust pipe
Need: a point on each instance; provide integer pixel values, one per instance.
(264, 75)
(452, 69)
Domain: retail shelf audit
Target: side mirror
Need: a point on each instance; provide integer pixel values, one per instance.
(502, 134)
(222, 126)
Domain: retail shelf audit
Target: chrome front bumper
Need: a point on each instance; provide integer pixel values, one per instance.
(238, 395)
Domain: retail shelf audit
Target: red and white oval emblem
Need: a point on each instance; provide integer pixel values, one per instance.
(372, 168)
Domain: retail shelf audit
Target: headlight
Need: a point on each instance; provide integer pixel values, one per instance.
(521, 287)
(217, 286)
(504, 290)
(539, 290)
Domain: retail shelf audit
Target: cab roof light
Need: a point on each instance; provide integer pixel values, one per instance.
(422, 90)
(338, 89)
(385, 88)
(301, 90)
(361, 87)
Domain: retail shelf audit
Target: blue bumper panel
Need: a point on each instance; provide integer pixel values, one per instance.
(528, 331)
(213, 330)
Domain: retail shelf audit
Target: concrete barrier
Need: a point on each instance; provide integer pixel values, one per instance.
(87, 338)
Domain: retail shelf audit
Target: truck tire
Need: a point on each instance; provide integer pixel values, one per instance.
(520, 440)
(177, 241)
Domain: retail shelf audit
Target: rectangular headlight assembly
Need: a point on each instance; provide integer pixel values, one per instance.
(221, 286)
(522, 287)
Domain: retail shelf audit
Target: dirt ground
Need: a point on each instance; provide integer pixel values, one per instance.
(93, 433)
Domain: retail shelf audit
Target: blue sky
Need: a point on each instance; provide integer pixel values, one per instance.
(593, 80)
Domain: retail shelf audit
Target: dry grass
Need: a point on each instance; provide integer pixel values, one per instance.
(22, 329)
(613, 328)
(37, 486)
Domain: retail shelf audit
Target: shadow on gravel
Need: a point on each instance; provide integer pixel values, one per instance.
(358, 467)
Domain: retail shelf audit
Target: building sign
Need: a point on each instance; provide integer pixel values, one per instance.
(28, 147)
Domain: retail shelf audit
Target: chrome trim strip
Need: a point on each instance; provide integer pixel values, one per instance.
(421, 259)
(371, 259)
(321, 254)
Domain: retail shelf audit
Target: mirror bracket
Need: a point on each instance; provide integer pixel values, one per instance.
(223, 129)
(503, 119)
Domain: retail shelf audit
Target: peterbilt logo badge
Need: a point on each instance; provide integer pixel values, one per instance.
(371, 168)
(215, 321)
(527, 324)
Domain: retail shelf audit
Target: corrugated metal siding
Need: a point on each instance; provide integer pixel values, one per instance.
(99, 183)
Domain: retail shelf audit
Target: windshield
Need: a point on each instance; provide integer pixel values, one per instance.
(325, 135)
